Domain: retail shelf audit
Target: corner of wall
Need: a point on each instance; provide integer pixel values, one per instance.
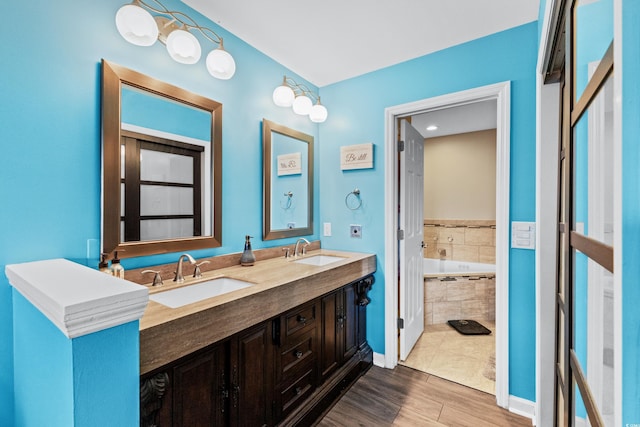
(6, 353)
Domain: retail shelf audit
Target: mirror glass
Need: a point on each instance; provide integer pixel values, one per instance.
(288, 182)
(161, 166)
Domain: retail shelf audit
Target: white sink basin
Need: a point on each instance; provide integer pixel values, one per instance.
(319, 260)
(193, 293)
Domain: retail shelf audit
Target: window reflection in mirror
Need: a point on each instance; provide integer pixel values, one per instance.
(162, 166)
(165, 168)
(288, 182)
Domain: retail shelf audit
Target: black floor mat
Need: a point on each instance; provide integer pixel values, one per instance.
(468, 327)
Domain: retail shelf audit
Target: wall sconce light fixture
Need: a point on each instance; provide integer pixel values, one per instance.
(299, 97)
(138, 26)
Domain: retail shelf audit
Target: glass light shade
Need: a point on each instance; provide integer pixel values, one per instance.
(183, 47)
(136, 25)
(318, 113)
(283, 96)
(220, 64)
(302, 105)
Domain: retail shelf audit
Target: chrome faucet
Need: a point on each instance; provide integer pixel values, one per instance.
(179, 277)
(304, 247)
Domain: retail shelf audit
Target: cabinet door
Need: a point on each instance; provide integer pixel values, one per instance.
(349, 322)
(252, 377)
(330, 356)
(199, 389)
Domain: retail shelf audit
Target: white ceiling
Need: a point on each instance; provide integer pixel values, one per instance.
(326, 41)
(459, 119)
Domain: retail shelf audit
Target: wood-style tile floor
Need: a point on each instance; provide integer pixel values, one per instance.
(406, 397)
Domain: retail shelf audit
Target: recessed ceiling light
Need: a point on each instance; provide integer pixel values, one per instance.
(431, 128)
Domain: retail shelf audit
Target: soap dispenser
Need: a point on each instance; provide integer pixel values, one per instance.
(103, 265)
(247, 258)
(116, 268)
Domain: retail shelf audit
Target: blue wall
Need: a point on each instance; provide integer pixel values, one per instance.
(51, 138)
(629, 68)
(91, 380)
(357, 116)
(50, 165)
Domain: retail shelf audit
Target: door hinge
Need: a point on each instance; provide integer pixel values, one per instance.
(400, 234)
(400, 146)
(400, 323)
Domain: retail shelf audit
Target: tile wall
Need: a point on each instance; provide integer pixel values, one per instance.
(463, 297)
(462, 240)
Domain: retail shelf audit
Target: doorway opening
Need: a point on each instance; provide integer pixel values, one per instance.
(459, 202)
(393, 204)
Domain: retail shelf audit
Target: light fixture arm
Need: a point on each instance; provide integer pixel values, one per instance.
(184, 21)
(300, 89)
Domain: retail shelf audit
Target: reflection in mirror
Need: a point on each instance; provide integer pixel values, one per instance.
(288, 182)
(161, 166)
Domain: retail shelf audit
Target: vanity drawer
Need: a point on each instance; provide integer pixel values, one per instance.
(290, 396)
(299, 320)
(294, 357)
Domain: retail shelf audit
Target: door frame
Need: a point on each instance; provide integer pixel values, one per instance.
(502, 93)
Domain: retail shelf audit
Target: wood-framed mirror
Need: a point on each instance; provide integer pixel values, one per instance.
(287, 182)
(161, 166)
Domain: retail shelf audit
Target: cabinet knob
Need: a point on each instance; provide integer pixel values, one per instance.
(302, 319)
(298, 354)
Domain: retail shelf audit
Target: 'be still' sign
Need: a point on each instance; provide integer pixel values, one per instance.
(358, 156)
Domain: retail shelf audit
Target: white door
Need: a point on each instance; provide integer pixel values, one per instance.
(410, 247)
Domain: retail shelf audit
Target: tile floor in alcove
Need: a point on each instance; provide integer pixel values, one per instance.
(465, 359)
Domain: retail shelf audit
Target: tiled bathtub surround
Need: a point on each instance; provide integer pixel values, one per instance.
(461, 240)
(460, 298)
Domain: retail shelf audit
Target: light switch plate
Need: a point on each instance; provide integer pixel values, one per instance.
(327, 229)
(523, 235)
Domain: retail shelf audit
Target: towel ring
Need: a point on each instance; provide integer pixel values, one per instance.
(289, 196)
(355, 193)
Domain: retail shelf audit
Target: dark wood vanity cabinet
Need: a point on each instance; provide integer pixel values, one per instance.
(284, 371)
(200, 389)
(228, 383)
(296, 336)
(339, 329)
(252, 377)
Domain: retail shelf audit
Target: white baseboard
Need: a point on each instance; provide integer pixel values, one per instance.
(523, 407)
(378, 359)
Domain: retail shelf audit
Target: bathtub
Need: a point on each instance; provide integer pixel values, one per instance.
(448, 268)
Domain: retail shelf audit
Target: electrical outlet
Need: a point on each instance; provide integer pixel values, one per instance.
(327, 229)
(356, 231)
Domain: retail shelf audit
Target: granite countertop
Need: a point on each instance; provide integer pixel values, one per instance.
(280, 284)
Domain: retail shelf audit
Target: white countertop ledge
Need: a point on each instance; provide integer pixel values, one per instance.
(77, 299)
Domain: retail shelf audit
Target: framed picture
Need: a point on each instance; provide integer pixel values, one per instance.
(289, 164)
(358, 156)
